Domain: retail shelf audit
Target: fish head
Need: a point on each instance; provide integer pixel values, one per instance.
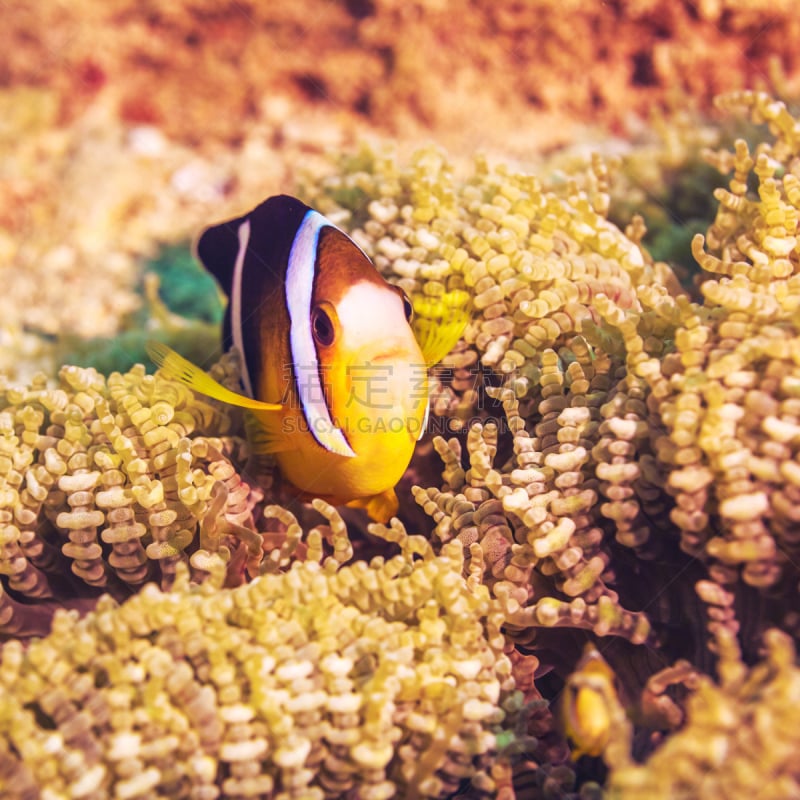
(373, 368)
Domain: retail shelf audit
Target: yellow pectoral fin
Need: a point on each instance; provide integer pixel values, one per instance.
(380, 507)
(439, 322)
(265, 438)
(178, 368)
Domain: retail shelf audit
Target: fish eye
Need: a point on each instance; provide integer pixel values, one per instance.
(322, 327)
(408, 309)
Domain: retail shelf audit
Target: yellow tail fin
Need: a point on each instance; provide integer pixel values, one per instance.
(178, 368)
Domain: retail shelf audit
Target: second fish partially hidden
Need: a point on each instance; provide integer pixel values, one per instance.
(335, 377)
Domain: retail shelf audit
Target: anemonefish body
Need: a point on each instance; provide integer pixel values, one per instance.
(334, 376)
(589, 704)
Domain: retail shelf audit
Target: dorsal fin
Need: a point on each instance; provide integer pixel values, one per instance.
(274, 224)
(248, 256)
(217, 249)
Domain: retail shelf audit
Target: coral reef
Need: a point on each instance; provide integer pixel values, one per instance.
(107, 482)
(740, 738)
(727, 394)
(618, 466)
(387, 679)
(638, 418)
(554, 291)
(654, 417)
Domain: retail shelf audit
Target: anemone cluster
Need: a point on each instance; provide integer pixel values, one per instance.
(105, 483)
(654, 418)
(618, 465)
(387, 679)
(740, 736)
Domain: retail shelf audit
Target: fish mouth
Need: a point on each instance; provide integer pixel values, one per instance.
(398, 350)
(394, 354)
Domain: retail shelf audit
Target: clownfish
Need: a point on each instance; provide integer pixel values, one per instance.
(335, 366)
(590, 704)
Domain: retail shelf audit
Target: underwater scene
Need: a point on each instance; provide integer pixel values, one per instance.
(400, 399)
